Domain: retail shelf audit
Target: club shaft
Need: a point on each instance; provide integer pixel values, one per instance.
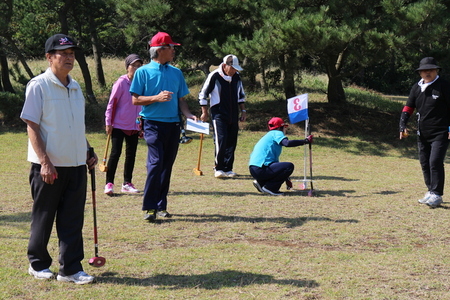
(94, 208)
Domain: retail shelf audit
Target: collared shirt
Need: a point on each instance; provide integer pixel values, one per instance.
(423, 85)
(150, 80)
(59, 112)
(120, 111)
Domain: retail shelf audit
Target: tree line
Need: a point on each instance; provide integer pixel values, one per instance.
(373, 43)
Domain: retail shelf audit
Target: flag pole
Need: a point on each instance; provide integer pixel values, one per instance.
(305, 181)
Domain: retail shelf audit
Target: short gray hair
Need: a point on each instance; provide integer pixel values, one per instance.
(153, 51)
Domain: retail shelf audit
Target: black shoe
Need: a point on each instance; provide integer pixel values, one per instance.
(163, 214)
(257, 186)
(150, 215)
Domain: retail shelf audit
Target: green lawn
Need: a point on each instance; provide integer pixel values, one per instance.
(364, 236)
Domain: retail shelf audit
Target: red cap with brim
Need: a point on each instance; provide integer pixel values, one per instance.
(276, 122)
(162, 39)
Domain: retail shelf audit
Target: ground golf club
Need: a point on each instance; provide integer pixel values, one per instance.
(197, 170)
(96, 261)
(103, 167)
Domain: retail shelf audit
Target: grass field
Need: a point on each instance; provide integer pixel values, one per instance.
(363, 236)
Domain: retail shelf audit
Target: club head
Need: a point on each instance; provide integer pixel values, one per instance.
(311, 193)
(103, 168)
(185, 139)
(97, 261)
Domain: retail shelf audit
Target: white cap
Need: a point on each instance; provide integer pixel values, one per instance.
(233, 61)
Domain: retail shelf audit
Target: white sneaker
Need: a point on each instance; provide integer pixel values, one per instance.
(434, 201)
(425, 199)
(220, 174)
(266, 190)
(129, 188)
(43, 274)
(230, 174)
(109, 189)
(78, 278)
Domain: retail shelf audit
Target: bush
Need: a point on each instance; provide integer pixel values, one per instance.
(95, 116)
(10, 107)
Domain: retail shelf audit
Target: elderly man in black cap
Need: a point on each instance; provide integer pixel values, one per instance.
(58, 152)
(430, 98)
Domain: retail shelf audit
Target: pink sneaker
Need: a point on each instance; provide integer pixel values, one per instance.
(109, 189)
(129, 188)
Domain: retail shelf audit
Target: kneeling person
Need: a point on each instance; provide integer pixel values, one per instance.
(264, 164)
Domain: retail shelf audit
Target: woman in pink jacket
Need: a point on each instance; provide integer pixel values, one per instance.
(120, 120)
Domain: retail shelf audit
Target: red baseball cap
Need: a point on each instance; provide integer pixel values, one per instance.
(276, 122)
(162, 39)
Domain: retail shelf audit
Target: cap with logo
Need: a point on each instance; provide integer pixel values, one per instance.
(60, 42)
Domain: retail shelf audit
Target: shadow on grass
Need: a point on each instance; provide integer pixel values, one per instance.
(209, 281)
(290, 222)
(16, 218)
(293, 178)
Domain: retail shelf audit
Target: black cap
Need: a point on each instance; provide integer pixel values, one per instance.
(428, 63)
(60, 42)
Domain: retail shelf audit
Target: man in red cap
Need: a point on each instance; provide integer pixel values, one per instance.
(160, 87)
(264, 164)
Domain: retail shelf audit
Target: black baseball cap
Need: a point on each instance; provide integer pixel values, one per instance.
(60, 42)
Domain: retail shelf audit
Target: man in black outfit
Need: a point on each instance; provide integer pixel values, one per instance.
(430, 97)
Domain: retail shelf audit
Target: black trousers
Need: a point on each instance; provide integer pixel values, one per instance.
(225, 141)
(131, 143)
(431, 157)
(63, 202)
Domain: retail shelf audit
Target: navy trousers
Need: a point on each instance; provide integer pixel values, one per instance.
(162, 142)
(273, 175)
